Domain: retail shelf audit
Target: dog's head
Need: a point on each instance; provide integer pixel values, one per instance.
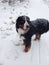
(22, 24)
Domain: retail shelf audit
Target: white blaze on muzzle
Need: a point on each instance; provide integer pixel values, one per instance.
(25, 25)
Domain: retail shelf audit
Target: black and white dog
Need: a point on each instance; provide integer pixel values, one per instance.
(27, 28)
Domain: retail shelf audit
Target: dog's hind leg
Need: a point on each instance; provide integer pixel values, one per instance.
(37, 37)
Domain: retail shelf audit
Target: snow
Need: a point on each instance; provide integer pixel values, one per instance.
(11, 50)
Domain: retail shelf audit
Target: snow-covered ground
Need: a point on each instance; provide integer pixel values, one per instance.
(10, 53)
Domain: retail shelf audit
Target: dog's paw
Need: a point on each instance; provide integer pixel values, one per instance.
(27, 49)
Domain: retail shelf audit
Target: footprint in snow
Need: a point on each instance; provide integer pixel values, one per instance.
(0, 63)
(4, 8)
(10, 17)
(12, 22)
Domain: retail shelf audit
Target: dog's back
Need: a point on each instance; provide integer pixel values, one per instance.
(40, 25)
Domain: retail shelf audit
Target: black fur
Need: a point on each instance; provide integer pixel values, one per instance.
(39, 26)
(21, 20)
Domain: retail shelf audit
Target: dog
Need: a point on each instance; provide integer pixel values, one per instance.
(27, 29)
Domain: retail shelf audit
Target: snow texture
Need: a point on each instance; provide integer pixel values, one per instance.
(11, 50)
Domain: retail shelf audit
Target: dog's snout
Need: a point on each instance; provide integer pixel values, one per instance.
(27, 26)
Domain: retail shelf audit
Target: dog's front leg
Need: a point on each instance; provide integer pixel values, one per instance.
(27, 43)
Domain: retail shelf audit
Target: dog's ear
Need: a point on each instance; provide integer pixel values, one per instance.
(18, 21)
(17, 26)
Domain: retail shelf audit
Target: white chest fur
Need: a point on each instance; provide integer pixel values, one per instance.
(21, 31)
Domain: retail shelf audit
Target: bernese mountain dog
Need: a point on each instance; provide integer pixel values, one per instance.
(27, 29)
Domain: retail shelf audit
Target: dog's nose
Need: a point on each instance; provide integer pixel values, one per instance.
(27, 26)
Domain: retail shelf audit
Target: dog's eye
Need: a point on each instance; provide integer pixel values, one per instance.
(21, 26)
